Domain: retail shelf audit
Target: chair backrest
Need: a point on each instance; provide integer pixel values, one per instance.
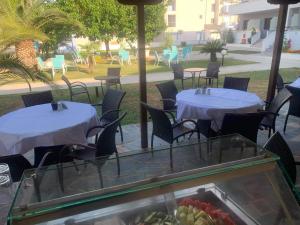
(185, 52)
(162, 126)
(178, 71)
(278, 145)
(113, 72)
(280, 99)
(41, 63)
(213, 69)
(66, 80)
(237, 83)
(112, 101)
(174, 48)
(294, 108)
(37, 98)
(279, 83)
(168, 90)
(58, 61)
(17, 164)
(245, 124)
(166, 53)
(106, 143)
(123, 54)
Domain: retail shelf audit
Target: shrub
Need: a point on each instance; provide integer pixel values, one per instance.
(212, 47)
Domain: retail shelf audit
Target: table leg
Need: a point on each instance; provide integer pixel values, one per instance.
(102, 88)
(97, 91)
(193, 79)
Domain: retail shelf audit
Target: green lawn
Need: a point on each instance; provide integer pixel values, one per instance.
(243, 52)
(258, 84)
(101, 68)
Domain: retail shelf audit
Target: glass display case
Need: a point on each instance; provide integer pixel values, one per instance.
(225, 181)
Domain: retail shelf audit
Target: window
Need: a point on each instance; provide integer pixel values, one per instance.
(212, 20)
(172, 5)
(171, 21)
(213, 6)
(245, 24)
(200, 16)
(267, 23)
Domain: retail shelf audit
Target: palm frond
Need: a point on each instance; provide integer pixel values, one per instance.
(213, 46)
(12, 68)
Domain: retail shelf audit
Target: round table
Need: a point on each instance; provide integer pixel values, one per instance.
(193, 71)
(214, 106)
(37, 126)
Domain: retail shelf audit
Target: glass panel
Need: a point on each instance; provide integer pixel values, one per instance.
(218, 155)
(259, 198)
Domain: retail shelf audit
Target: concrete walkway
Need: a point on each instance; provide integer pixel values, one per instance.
(262, 62)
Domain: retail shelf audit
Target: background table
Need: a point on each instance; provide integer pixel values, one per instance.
(193, 71)
(215, 105)
(27, 128)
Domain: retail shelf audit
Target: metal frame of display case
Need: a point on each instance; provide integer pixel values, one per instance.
(67, 206)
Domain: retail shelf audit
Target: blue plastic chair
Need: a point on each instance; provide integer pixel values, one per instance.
(59, 63)
(124, 57)
(42, 66)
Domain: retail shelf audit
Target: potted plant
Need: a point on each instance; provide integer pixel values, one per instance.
(212, 47)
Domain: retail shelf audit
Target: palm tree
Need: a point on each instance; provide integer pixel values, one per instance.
(11, 68)
(213, 47)
(22, 22)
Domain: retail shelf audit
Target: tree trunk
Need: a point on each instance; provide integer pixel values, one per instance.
(25, 52)
(106, 47)
(213, 57)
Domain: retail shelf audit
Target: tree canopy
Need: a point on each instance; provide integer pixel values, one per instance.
(106, 19)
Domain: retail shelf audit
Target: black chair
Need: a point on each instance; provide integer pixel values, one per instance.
(39, 98)
(110, 107)
(165, 130)
(76, 88)
(97, 153)
(237, 83)
(245, 124)
(212, 73)
(178, 72)
(273, 108)
(168, 92)
(280, 84)
(278, 145)
(294, 107)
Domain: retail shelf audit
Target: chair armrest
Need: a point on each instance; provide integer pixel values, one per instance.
(171, 114)
(91, 129)
(168, 100)
(108, 112)
(79, 85)
(183, 122)
(98, 104)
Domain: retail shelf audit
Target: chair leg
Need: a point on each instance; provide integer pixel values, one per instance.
(97, 91)
(285, 123)
(269, 135)
(102, 90)
(118, 163)
(121, 132)
(171, 156)
(89, 97)
(100, 174)
(60, 176)
(198, 136)
(121, 86)
(152, 139)
(182, 84)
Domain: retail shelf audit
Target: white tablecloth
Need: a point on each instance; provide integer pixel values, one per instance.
(215, 105)
(26, 128)
(296, 83)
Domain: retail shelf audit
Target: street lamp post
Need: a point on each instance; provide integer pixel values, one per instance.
(142, 61)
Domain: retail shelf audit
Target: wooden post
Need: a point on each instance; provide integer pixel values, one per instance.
(142, 71)
(277, 51)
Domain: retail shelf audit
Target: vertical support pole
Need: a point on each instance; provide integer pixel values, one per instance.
(277, 51)
(142, 71)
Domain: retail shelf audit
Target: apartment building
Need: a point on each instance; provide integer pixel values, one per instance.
(193, 21)
(257, 20)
